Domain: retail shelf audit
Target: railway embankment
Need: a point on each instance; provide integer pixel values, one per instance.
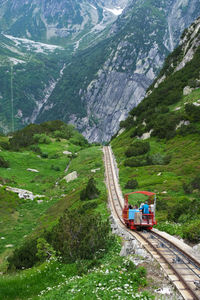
(132, 245)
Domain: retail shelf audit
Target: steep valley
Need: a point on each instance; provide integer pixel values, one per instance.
(108, 68)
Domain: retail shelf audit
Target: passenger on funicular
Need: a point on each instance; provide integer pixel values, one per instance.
(145, 211)
(132, 211)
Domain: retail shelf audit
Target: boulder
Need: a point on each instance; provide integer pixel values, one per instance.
(9, 246)
(94, 170)
(23, 193)
(70, 177)
(32, 170)
(187, 90)
(67, 152)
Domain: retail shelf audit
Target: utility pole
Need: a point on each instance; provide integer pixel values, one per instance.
(11, 92)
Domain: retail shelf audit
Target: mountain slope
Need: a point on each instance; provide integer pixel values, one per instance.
(140, 39)
(95, 88)
(28, 73)
(165, 130)
(58, 21)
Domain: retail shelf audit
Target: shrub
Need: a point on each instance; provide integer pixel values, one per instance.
(192, 185)
(79, 236)
(44, 155)
(44, 250)
(158, 159)
(41, 138)
(90, 192)
(138, 148)
(25, 256)
(131, 184)
(191, 232)
(24, 137)
(5, 145)
(182, 206)
(187, 188)
(135, 162)
(36, 149)
(193, 112)
(55, 168)
(195, 183)
(54, 156)
(3, 163)
(188, 129)
(89, 205)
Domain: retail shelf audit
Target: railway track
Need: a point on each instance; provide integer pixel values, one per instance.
(182, 268)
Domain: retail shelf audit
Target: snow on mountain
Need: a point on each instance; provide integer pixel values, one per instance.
(32, 45)
(115, 11)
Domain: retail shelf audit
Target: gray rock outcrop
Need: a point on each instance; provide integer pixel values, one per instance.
(70, 177)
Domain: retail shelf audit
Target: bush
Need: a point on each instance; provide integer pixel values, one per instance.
(187, 188)
(54, 156)
(3, 163)
(131, 184)
(41, 138)
(44, 155)
(55, 168)
(135, 162)
(158, 159)
(193, 112)
(79, 236)
(195, 183)
(188, 129)
(5, 145)
(192, 185)
(44, 250)
(25, 256)
(36, 149)
(191, 232)
(89, 206)
(138, 148)
(90, 192)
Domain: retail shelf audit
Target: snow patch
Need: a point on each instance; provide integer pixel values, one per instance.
(115, 11)
(92, 6)
(16, 61)
(36, 46)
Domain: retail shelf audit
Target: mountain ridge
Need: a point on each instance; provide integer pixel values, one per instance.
(130, 53)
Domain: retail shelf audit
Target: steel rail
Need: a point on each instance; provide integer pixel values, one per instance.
(176, 251)
(191, 259)
(181, 279)
(110, 185)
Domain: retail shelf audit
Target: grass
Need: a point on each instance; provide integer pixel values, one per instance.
(106, 277)
(26, 217)
(165, 180)
(191, 98)
(109, 277)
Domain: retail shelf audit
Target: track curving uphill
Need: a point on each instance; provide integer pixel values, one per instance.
(182, 268)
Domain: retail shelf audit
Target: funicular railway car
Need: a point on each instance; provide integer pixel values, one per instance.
(137, 219)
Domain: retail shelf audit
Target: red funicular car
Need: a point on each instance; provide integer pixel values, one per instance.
(137, 219)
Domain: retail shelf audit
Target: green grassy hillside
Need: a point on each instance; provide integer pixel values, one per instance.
(159, 147)
(62, 241)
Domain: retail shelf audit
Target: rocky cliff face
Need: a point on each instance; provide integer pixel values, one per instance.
(128, 40)
(141, 38)
(57, 21)
(189, 44)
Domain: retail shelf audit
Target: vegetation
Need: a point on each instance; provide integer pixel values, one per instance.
(169, 165)
(60, 241)
(157, 110)
(90, 192)
(3, 163)
(34, 134)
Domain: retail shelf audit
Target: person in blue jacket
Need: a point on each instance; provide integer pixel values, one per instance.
(132, 212)
(145, 210)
